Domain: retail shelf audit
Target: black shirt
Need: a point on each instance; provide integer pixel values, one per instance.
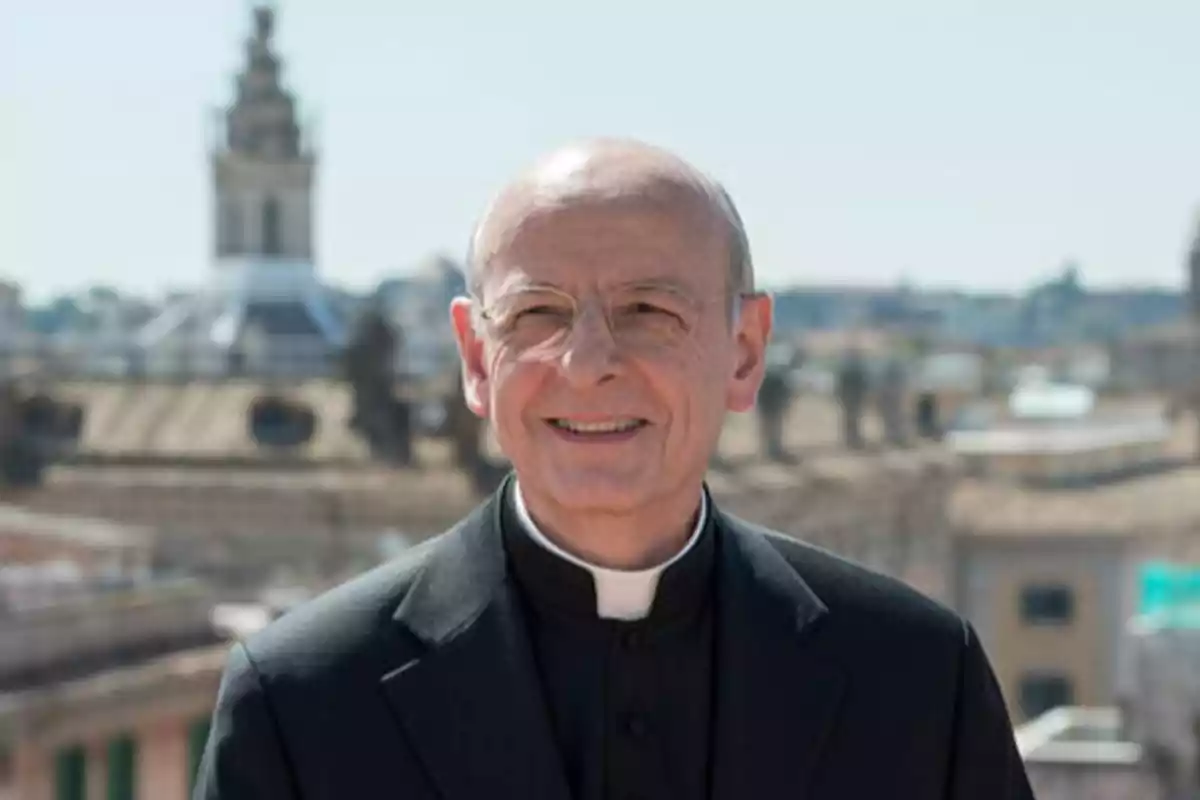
(629, 701)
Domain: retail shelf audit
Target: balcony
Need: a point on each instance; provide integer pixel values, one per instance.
(1066, 453)
(1082, 753)
(79, 629)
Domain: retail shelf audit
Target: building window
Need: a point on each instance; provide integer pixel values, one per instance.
(122, 768)
(230, 234)
(70, 774)
(272, 243)
(197, 739)
(1047, 604)
(1045, 691)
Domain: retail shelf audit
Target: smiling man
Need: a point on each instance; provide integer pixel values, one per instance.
(613, 325)
(599, 628)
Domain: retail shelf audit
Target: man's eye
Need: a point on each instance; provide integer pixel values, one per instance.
(649, 309)
(541, 311)
(544, 314)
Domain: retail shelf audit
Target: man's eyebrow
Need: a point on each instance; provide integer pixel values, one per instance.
(518, 289)
(503, 301)
(521, 286)
(520, 282)
(655, 285)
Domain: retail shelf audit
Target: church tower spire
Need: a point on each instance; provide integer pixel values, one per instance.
(262, 169)
(264, 307)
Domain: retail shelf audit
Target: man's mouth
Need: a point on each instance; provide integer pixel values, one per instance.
(598, 428)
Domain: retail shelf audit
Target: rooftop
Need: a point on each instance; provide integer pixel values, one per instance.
(74, 630)
(87, 532)
(171, 670)
(1079, 436)
(207, 421)
(1165, 502)
(1074, 735)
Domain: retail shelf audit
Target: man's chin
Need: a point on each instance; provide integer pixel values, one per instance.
(597, 490)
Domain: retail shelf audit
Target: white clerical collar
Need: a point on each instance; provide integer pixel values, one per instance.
(620, 594)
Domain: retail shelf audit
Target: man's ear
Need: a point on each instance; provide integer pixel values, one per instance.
(752, 331)
(471, 353)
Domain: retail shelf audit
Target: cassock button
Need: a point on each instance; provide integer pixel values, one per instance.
(635, 726)
(632, 640)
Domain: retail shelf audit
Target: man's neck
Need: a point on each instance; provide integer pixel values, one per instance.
(640, 539)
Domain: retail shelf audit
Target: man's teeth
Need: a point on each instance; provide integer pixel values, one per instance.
(613, 426)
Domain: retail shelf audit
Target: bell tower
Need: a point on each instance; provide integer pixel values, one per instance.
(263, 169)
(264, 307)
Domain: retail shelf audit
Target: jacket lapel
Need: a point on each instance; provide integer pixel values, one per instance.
(471, 704)
(776, 694)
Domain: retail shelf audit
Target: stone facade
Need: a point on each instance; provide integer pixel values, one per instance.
(1076, 647)
(108, 669)
(157, 707)
(93, 545)
(1077, 549)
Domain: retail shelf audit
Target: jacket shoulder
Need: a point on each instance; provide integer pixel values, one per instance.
(344, 622)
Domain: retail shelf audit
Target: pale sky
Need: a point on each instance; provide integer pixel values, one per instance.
(949, 141)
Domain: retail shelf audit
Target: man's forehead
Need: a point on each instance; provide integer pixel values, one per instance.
(518, 281)
(601, 173)
(611, 245)
(608, 216)
(586, 222)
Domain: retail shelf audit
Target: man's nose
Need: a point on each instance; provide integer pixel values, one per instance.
(590, 355)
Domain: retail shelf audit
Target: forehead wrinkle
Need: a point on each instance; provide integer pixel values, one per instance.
(523, 285)
(675, 222)
(654, 285)
(517, 282)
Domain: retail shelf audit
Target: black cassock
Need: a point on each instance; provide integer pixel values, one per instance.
(629, 701)
(438, 676)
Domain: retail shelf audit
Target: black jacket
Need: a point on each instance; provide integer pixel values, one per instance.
(416, 681)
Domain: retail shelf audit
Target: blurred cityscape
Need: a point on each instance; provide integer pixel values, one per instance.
(176, 472)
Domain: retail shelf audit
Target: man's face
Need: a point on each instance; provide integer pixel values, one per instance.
(606, 359)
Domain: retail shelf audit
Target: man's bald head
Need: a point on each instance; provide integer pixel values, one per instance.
(612, 303)
(610, 172)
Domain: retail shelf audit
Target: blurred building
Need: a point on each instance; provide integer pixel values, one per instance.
(12, 312)
(265, 308)
(89, 547)
(1048, 595)
(1060, 311)
(419, 307)
(1146, 746)
(1074, 753)
(1165, 358)
(108, 670)
(14, 332)
(904, 531)
(1053, 519)
(1161, 359)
